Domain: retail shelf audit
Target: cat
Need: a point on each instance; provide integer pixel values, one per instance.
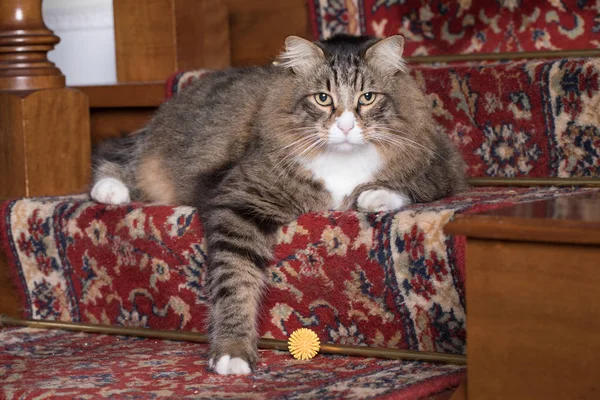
(334, 125)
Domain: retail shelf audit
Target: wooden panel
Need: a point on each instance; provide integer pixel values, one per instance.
(138, 94)
(9, 296)
(155, 38)
(562, 220)
(12, 147)
(45, 142)
(117, 110)
(460, 393)
(117, 122)
(258, 28)
(56, 126)
(202, 34)
(533, 320)
(144, 41)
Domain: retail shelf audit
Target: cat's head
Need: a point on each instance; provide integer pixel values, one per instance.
(351, 91)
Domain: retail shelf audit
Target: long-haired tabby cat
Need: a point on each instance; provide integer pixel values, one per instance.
(337, 124)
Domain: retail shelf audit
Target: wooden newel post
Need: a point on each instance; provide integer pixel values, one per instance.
(24, 42)
(44, 126)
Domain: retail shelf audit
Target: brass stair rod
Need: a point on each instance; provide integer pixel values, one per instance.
(361, 351)
(530, 182)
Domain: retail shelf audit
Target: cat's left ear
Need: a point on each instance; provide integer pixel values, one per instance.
(386, 55)
(300, 55)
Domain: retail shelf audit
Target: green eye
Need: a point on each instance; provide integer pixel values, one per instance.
(323, 99)
(367, 98)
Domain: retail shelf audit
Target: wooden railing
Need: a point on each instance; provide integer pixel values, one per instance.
(44, 127)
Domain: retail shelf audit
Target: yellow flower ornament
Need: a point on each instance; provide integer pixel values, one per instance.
(304, 344)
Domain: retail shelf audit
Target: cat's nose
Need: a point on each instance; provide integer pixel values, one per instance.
(346, 122)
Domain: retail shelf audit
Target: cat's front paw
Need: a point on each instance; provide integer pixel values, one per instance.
(234, 358)
(381, 200)
(227, 365)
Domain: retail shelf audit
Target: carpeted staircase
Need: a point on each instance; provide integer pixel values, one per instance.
(390, 279)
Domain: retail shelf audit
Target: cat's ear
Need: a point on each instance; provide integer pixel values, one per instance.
(300, 55)
(386, 55)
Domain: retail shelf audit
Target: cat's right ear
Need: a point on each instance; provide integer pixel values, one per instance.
(300, 55)
(386, 55)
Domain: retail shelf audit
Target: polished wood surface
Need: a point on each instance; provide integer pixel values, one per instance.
(156, 38)
(460, 393)
(9, 295)
(12, 148)
(24, 43)
(532, 274)
(123, 95)
(45, 142)
(117, 110)
(573, 219)
(258, 28)
(109, 123)
(533, 320)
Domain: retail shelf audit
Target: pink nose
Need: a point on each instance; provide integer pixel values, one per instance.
(346, 122)
(345, 126)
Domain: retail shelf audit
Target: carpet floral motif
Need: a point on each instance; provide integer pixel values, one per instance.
(62, 365)
(464, 26)
(385, 279)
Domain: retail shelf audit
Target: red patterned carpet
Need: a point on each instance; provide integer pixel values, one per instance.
(438, 27)
(389, 279)
(37, 364)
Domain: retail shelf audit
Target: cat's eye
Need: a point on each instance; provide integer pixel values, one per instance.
(367, 98)
(323, 99)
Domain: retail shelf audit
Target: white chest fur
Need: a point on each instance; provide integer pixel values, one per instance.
(342, 172)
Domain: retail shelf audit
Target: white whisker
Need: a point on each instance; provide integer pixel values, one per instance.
(392, 137)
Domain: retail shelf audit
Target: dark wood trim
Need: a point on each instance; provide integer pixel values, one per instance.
(10, 302)
(109, 123)
(461, 392)
(122, 95)
(574, 219)
(514, 229)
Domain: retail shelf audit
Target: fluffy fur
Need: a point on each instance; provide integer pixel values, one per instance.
(338, 124)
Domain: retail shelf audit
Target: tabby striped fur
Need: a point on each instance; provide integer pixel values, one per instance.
(254, 148)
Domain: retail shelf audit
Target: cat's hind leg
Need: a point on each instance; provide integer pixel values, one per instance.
(110, 191)
(114, 164)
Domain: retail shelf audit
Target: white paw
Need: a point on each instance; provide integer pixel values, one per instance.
(230, 366)
(381, 200)
(110, 191)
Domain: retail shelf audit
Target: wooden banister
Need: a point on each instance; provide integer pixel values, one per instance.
(24, 43)
(44, 126)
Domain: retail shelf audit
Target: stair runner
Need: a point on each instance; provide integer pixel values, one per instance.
(388, 279)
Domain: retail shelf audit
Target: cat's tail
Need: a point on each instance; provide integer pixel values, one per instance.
(113, 164)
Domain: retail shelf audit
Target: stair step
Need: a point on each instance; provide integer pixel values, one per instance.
(388, 279)
(38, 363)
